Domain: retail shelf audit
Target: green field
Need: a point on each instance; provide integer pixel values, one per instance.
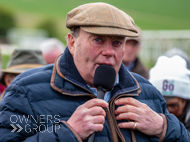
(148, 14)
(6, 59)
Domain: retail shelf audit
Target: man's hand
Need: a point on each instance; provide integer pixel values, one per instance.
(88, 118)
(147, 121)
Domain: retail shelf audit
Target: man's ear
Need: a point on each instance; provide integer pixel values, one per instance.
(70, 43)
(7, 80)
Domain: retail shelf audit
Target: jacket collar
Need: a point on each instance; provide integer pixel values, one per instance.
(67, 80)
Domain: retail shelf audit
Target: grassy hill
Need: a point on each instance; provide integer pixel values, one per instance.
(148, 14)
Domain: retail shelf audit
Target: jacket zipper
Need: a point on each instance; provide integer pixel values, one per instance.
(112, 110)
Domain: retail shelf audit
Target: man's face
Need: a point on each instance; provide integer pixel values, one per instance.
(89, 51)
(132, 48)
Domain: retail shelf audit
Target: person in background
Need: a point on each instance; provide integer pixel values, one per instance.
(51, 48)
(172, 78)
(60, 99)
(131, 59)
(21, 60)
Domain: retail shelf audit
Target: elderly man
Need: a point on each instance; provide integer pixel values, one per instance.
(58, 102)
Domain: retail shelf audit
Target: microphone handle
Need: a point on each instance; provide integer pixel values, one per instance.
(100, 95)
(91, 137)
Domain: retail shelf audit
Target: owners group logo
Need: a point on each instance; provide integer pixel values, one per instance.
(40, 123)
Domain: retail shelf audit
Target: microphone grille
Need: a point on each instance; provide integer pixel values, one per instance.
(104, 76)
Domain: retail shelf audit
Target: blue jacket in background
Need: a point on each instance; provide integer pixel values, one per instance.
(38, 103)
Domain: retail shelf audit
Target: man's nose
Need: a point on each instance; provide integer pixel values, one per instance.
(108, 50)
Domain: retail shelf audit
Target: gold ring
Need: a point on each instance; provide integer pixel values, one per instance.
(135, 127)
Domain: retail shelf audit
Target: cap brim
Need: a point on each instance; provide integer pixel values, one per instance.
(17, 69)
(110, 31)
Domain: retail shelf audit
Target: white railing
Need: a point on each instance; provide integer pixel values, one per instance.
(156, 43)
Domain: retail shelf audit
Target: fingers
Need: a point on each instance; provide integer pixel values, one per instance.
(98, 119)
(94, 111)
(95, 102)
(127, 108)
(93, 107)
(97, 111)
(128, 116)
(129, 101)
(95, 123)
(88, 118)
(130, 105)
(97, 128)
(129, 125)
(138, 116)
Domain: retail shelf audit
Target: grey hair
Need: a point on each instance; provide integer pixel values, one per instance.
(75, 31)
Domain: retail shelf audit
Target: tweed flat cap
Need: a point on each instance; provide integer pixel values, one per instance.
(101, 18)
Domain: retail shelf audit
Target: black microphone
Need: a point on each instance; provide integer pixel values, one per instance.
(104, 79)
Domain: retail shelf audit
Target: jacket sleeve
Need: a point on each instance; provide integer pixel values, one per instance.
(176, 131)
(14, 107)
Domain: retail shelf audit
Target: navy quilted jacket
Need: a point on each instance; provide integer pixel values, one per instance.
(38, 103)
